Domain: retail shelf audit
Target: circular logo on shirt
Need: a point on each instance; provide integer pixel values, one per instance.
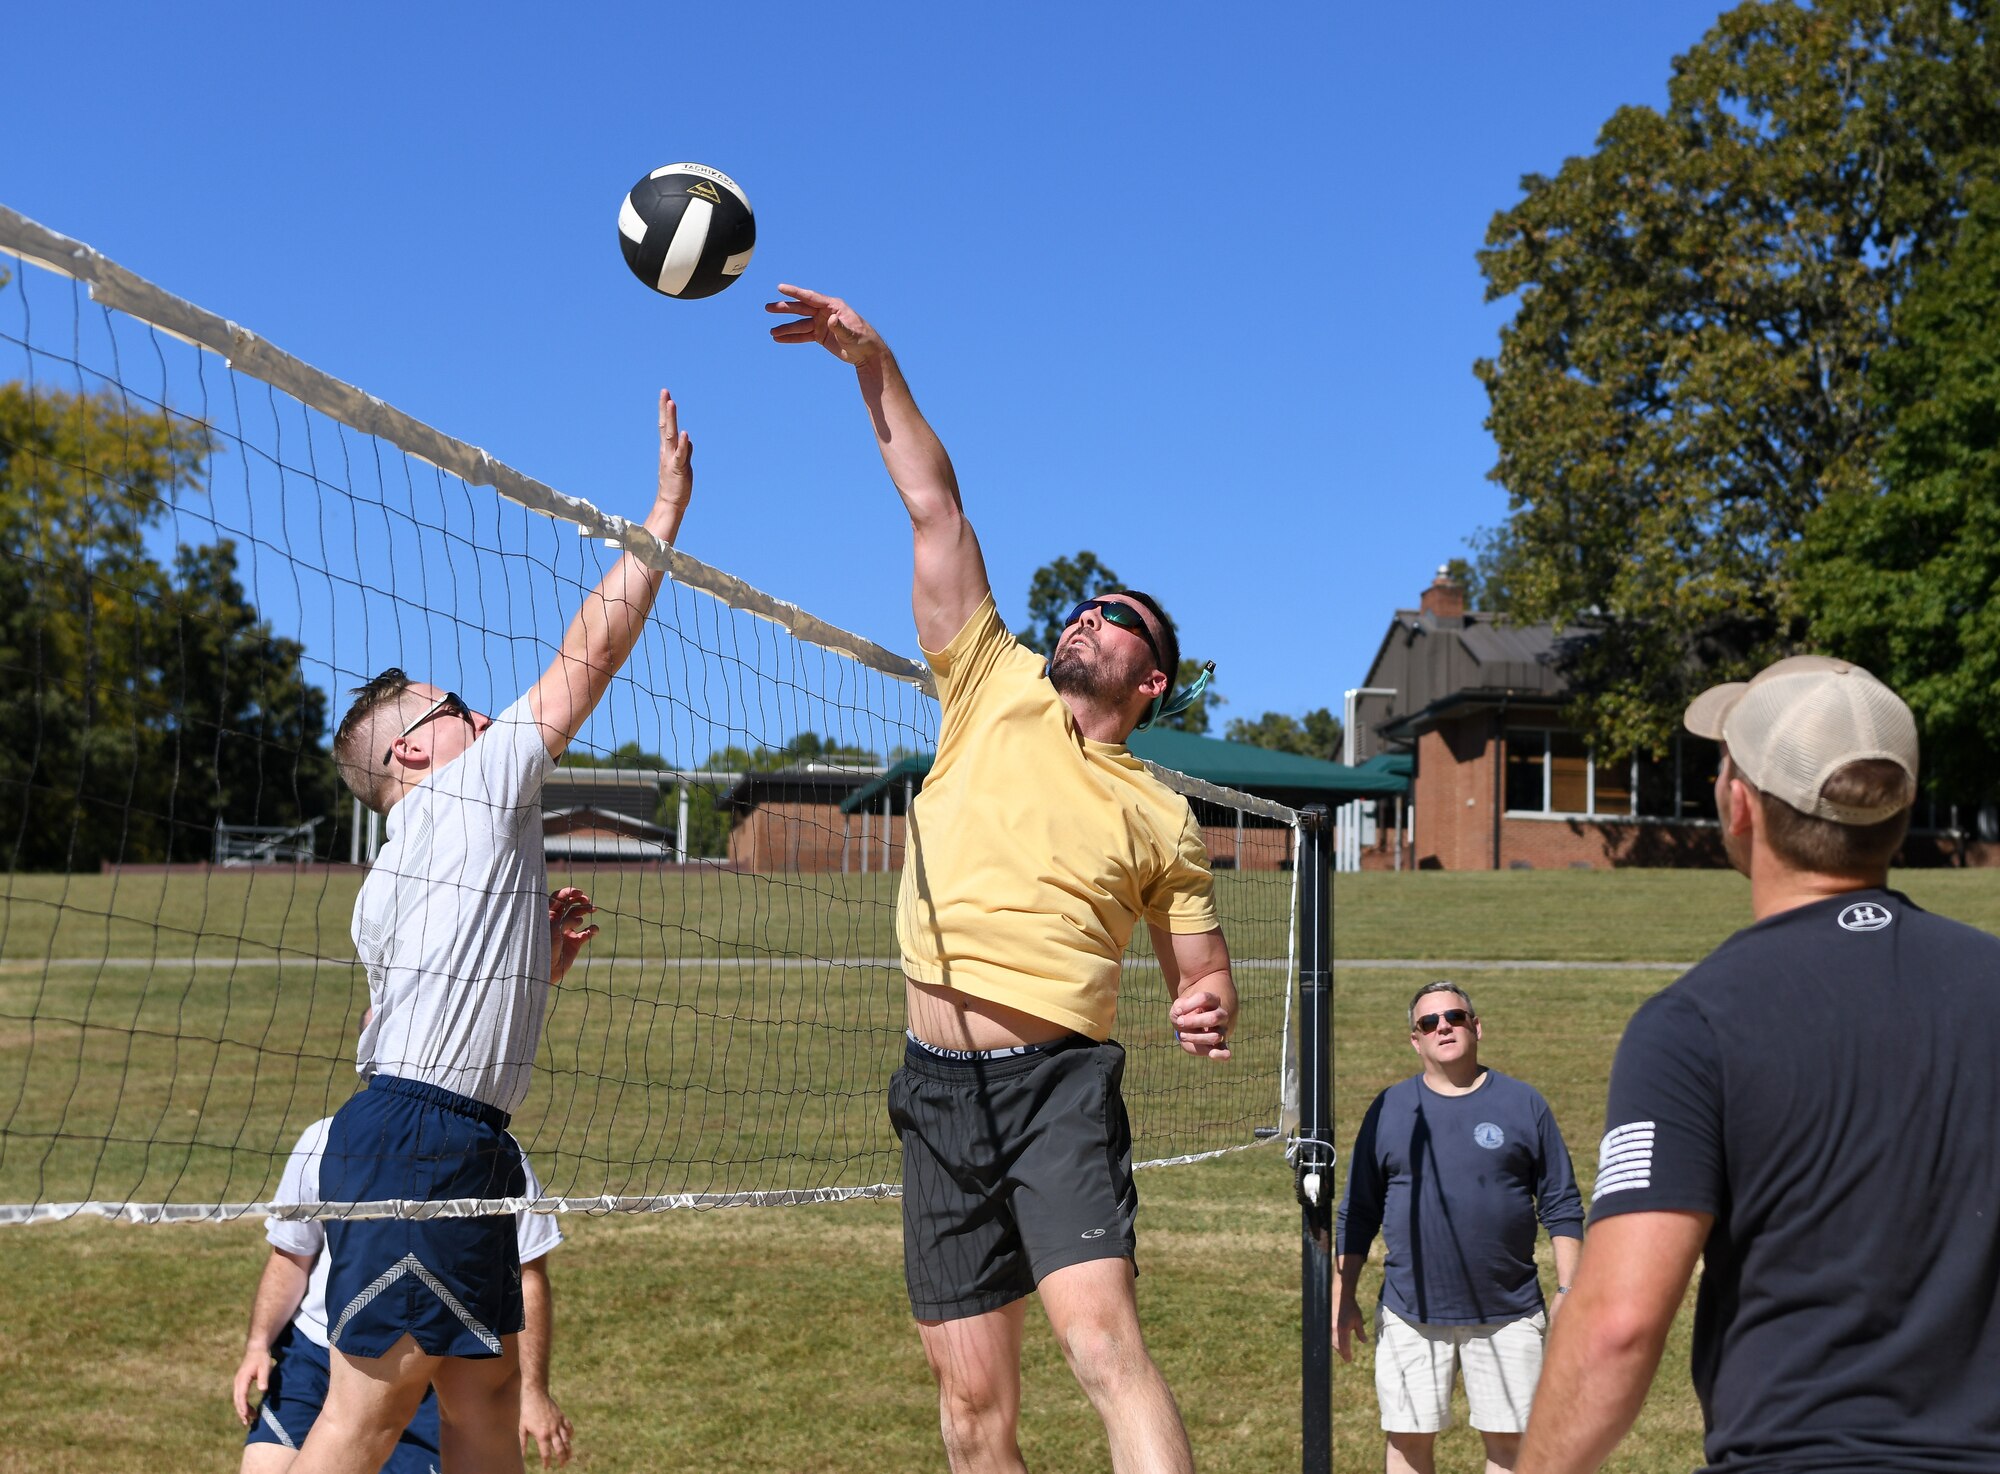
(1866, 916)
(1489, 1136)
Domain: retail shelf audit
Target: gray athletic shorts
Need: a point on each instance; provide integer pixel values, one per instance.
(1013, 1167)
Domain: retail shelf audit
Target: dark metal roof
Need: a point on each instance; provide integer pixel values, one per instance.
(1436, 666)
(812, 784)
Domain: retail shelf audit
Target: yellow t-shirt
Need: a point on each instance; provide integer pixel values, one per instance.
(1033, 851)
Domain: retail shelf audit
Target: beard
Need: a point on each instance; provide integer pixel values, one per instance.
(1074, 675)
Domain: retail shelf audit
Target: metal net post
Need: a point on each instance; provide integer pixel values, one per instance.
(1313, 1160)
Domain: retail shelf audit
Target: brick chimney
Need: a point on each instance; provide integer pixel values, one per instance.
(1444, 600)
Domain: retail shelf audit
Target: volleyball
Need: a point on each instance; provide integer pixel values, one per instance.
(687, 230)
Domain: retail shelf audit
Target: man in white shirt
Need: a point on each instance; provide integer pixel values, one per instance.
(450, 923)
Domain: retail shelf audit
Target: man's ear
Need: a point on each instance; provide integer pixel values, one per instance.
(1741, 818)
(413, 752)
(1159, 683)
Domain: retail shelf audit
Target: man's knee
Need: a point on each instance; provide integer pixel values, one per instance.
(1106, 1353)
(474, 1391)
(1502, 1449)
(1412, 1451)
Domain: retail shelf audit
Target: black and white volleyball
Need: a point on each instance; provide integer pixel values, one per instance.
(687, 230)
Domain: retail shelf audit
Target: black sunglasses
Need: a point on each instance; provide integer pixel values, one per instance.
(1458, 1018)
(1124, 616)
(450, 704)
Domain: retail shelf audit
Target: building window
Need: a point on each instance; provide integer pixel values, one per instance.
(1555, 772)
(1680, 785)
(1527, 759)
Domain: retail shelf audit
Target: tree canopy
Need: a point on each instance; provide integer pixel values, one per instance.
(1697, 304)
(139, 704)
(1904, 578)
(1316, 734)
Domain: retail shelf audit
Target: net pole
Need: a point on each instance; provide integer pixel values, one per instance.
(1314, 1160)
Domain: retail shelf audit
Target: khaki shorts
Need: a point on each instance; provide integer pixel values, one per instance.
(1414, 1365)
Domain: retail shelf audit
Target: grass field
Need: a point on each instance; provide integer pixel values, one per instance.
(777, 1339)
(722, 1033)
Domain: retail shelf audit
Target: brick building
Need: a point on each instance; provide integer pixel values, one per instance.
(1501, 780)
(792, 820)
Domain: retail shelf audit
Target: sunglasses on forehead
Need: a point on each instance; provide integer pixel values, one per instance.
(1458, 1018)
(449, 704)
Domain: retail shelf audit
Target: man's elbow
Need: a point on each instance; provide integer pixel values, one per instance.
(1617, 1332)
(935, 515)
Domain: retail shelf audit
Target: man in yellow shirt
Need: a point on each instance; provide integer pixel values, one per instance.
(1038, 843)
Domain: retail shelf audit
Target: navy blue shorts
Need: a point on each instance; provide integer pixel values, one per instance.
(452, 1283)
(297, 1392)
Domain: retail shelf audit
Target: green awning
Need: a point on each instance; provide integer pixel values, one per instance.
(1284, 776)
(1262, 771)
(1396, 764)
(871, 792)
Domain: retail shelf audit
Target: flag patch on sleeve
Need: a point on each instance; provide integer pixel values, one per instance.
(1625, 1158)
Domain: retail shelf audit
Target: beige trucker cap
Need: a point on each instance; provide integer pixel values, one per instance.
(1796, 723)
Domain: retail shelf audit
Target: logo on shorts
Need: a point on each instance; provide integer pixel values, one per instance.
(1489, 1136)
(1865, 916)
(1093, 1233)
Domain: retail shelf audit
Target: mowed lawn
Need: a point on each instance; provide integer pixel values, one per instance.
(771, 1339)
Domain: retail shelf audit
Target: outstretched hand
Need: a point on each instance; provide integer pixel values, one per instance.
(567, 907)
(827, 321)
(676, 457)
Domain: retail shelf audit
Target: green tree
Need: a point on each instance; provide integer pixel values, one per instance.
(1060, 586)
(239, 725)
(1056, 589)
(1697, 303)
(1316, 734)
(1904, 577)
(138, 705)
(1489, 575)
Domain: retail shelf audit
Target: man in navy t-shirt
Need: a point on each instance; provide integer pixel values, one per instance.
(1453, 1166)
(1813, 1111)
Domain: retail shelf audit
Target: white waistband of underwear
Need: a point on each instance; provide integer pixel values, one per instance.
(942, 1053)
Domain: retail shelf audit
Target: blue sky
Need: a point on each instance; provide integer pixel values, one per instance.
(1199, 295)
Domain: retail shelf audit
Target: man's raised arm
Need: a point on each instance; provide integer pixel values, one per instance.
(950, 578)
(601, 637)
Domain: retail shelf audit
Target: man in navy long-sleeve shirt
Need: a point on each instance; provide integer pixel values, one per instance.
(1453, 1166)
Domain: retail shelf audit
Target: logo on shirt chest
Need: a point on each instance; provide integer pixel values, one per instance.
(1488, 1135)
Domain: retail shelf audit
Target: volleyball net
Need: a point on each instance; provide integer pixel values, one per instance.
(204, 544)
